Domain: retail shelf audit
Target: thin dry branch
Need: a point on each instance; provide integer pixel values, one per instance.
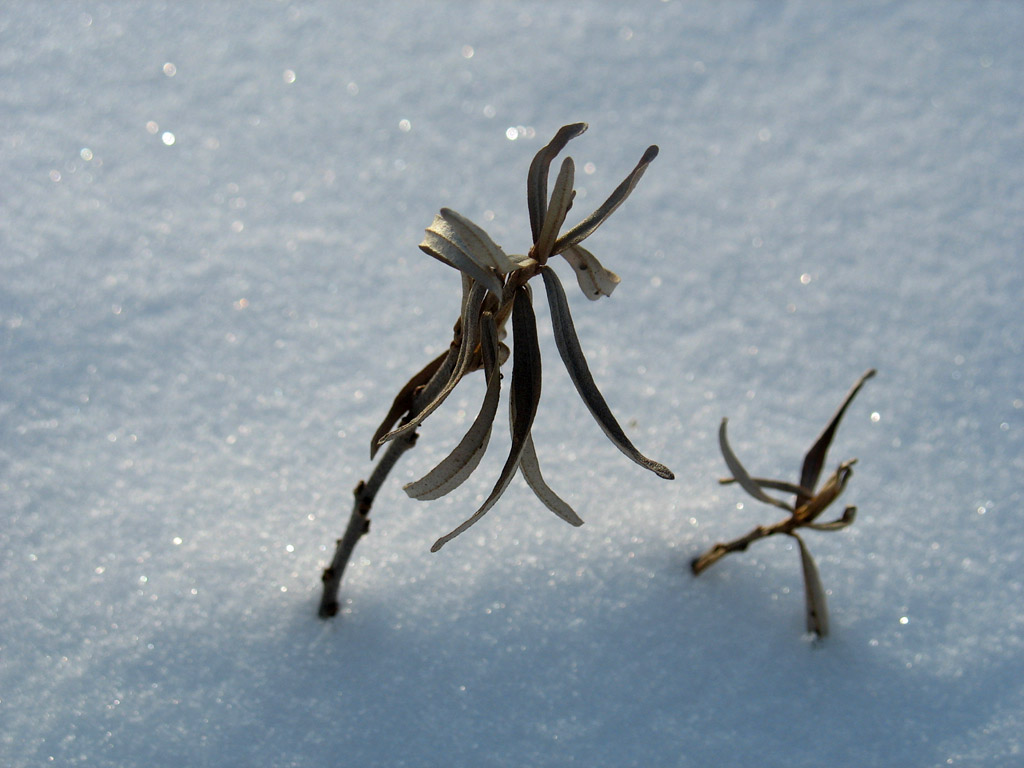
(366, 491)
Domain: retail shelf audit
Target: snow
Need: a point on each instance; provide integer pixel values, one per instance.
(211, 291)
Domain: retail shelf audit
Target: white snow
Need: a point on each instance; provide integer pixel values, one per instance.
(210, 291)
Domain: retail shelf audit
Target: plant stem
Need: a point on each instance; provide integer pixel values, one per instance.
(366, 491)
(359, 522)
(717, 552)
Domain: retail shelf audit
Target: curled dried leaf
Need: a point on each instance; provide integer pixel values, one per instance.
(828, 493)
(595, 281)
(403, 401)
(524, 396)
(849, 515)
(740, 474)
(814, 593)
(529, 465)
(453, 470)
(568, 345)
(439, 243)
(472, 308)
(482, 249)
(775, 485)
(537, 178)
(815, 458)
(458, 242)
(561, 201)
(586, 228)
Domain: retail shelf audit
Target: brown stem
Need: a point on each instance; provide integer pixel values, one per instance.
(718, 551)
(359, 522)
(366, 491)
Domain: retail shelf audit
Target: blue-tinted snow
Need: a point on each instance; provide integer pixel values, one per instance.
(211, 290)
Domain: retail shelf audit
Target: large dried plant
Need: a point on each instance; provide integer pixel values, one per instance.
(804, 511)
(495, 290)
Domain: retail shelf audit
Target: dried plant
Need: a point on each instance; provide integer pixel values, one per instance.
(806, 508)
(494, 290)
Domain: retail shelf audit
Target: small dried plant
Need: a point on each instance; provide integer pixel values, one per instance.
(495, 290)
(804, 511)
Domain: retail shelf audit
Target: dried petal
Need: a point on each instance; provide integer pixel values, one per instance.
(460, 463)
(740, 474)
(576, 364)
(537, 178)
(524, 396)
(814, 593)
(595, 281)
(586, 227)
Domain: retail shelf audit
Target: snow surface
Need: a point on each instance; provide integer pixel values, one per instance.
(210, 292)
